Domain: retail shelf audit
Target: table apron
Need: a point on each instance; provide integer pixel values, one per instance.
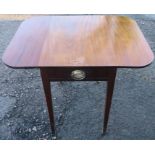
(91, 73)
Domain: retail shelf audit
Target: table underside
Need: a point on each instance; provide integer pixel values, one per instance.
(64, 74)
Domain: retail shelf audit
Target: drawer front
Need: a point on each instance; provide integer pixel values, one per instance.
(79, 73)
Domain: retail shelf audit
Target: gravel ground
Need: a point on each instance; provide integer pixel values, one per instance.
(78, 106)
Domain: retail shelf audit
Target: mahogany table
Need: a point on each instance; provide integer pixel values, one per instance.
(78, 48)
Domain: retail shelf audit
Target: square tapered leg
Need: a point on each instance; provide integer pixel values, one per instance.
(109, 94)
(48, 96)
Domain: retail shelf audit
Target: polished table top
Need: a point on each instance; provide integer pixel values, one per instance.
(78, 40)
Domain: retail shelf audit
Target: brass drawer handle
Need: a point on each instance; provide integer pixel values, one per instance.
(78, 75)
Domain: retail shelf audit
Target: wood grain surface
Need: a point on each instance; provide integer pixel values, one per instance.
(78, 40)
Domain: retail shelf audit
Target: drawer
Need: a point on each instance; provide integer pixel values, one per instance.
(79, 73)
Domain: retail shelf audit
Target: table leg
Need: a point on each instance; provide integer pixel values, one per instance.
(110, 88)
(47, 91)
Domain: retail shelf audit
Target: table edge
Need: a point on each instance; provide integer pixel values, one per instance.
(22, 67)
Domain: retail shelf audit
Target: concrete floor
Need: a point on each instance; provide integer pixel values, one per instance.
(78, 105)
